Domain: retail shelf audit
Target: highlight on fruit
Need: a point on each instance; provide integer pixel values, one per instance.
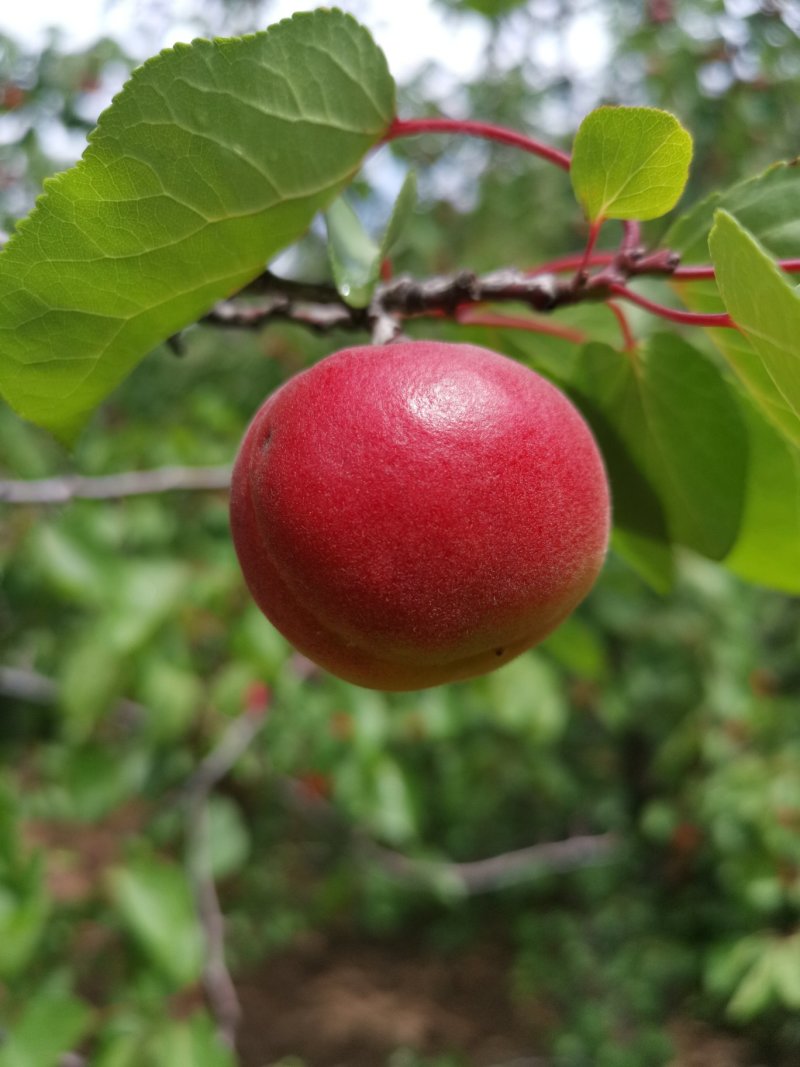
(418, 513)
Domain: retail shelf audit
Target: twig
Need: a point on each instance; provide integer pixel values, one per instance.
(479, 876)
(113, 486)
(217, 981)
(472, 878)
(234, 743)
(504, 870)
(17, 683)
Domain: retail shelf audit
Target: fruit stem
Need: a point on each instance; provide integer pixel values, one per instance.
(487, 130)
(689, 318)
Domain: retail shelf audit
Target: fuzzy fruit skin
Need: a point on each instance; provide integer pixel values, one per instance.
(418, 513)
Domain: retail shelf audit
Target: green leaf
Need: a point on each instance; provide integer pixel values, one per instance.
(786, 964)
(24, 902)
(767, 206)
(194, 1043)
(214, 157)
(354, 257)
(630, 163)
(51, 1024)
(756, 989)
(653, 560)
(401, 212)
(767, 550)
(24, 910)
(762, 303)
(154, 901)
(529, 698)
(92, 677)
(228, 837)
(728, 962)
(673, 440)
(394, 816)
(579, 648)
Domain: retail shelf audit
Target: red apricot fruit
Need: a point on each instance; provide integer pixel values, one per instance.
(418, 513)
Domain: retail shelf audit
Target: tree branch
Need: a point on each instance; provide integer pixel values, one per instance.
(319, 308)
(217, 981)
(61, 490)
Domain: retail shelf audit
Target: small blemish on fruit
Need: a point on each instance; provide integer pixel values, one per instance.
(266, 442)
(499, 652)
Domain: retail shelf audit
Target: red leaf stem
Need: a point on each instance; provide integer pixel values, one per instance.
(699, 273)
(487, 130)
(629, 341)
(469, 316)
(689, 318)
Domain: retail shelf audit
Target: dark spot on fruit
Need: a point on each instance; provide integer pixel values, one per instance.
(499, 651)
(266, 442)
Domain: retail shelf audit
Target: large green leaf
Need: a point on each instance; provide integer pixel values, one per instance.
(767, 550)
(767, 206)
(630, 163)
(214, 157)
(673, 440)
(762, 303)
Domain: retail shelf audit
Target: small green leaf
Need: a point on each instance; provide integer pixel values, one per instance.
(401, 212)
(228, 837)
(394, 816)
(214, 157)
(191, 1043)
(52, 1023)
(529, 698)
(630, 163)
(354, 257)
(653, 560)
(194, 1043)
(578, 647)
(787, 971)
(24, 910)
(24, 901)
(155, 903)
(756, 990)
(762, 303)
(728, 962)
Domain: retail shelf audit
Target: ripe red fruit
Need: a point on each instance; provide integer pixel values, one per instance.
(418, 513)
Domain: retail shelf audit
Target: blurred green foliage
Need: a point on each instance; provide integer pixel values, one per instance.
(672, 722)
